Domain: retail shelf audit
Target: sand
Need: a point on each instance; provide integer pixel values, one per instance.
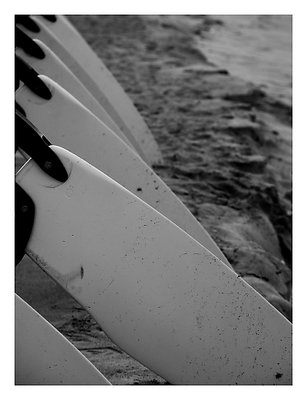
(226, 146)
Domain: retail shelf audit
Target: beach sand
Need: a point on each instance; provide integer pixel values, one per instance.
(226, 145)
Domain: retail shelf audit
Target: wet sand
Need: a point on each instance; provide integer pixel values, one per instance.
(226, 145)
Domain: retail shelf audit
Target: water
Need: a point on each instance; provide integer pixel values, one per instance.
(257, 48)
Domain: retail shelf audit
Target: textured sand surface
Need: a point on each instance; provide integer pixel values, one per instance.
(226, 144)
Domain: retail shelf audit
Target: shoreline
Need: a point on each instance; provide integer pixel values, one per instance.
(256, 48)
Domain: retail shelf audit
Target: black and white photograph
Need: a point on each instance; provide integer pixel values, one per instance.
(153, 199)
